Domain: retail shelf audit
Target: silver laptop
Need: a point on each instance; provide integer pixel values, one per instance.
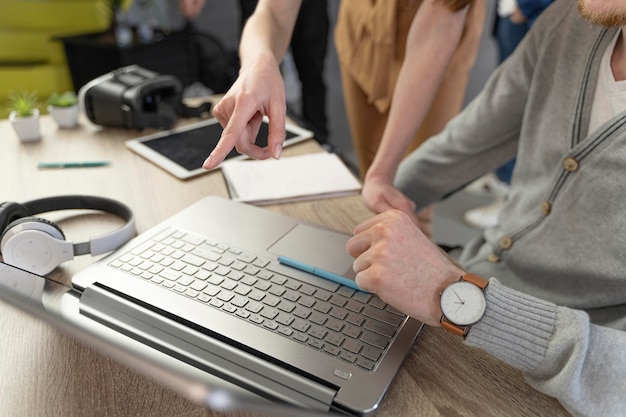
(206, 287)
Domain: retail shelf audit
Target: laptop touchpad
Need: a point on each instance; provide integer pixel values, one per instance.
(317, 247)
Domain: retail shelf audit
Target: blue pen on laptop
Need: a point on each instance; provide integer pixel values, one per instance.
(318, 271)
(60, 165)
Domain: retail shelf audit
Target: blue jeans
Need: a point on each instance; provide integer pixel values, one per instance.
(508, 36)
(505, 172)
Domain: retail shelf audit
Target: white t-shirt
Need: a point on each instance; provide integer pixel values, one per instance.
(610, 96)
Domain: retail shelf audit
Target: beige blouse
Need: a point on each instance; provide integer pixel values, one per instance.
(366, 34)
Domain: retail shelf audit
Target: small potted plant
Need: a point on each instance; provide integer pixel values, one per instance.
(63, 107)
(24, 115)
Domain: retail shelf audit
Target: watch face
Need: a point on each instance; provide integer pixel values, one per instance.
(463, 303)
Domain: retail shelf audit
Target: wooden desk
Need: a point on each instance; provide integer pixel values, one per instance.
(44, 372)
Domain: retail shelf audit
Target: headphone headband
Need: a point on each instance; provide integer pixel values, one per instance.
(96, 245)
(69, 202)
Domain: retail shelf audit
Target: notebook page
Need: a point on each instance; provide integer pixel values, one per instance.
(310, 176)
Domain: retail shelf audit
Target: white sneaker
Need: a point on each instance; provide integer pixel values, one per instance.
(488, 184)
(485, 216)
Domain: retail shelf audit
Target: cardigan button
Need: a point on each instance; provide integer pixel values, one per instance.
(546, 208)
(570, 164)
(493, 258)
(506, 243)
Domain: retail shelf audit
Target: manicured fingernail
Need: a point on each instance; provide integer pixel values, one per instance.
(207, 161)
(278, 149)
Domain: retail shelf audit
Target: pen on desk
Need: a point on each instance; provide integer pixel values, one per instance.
(85, 164)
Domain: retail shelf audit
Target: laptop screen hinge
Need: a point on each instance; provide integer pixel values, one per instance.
(204, 352)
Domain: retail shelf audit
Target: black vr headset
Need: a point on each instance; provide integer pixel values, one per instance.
(133, 97)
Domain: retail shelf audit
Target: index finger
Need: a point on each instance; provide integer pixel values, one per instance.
(236, 128)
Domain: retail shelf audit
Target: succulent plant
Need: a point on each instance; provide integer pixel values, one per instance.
(24, 103)
(66, 99)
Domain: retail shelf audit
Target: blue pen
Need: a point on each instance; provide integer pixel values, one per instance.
(319, 272)
(59, 165)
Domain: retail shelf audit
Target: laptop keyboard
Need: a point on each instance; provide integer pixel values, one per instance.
(352, 325)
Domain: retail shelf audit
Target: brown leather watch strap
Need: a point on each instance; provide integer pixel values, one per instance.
(453, 328)
(462, 331)
(477, 280)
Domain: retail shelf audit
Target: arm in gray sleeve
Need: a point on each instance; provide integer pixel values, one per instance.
(559, 351)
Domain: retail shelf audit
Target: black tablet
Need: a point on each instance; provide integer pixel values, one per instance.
(182, 151)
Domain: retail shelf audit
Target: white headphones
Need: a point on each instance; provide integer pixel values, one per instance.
(38, 245)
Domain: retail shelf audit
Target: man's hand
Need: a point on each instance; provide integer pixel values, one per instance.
(518, 17)
(259, 91)
(394, 259)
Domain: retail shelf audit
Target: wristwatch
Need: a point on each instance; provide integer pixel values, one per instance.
(463, 303)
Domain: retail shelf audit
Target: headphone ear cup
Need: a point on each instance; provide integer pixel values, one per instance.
(35, 244)
(37, 223)
(9, 212)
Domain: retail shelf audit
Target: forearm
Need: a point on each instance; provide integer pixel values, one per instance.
(560, 352)
(267, 32)
(432, 41)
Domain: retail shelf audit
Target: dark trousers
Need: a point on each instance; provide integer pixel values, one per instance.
(309, 45)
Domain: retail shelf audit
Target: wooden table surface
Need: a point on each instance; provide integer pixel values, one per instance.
(47, 373)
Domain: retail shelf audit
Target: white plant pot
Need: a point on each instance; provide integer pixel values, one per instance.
(66, 117)
(27, 128)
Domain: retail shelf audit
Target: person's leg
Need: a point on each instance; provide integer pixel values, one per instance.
(246, 8)
(309, 44)
(365, 121)
(508, 36)
(504, 172)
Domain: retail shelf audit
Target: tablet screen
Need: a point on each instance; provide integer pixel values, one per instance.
(182, 151)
